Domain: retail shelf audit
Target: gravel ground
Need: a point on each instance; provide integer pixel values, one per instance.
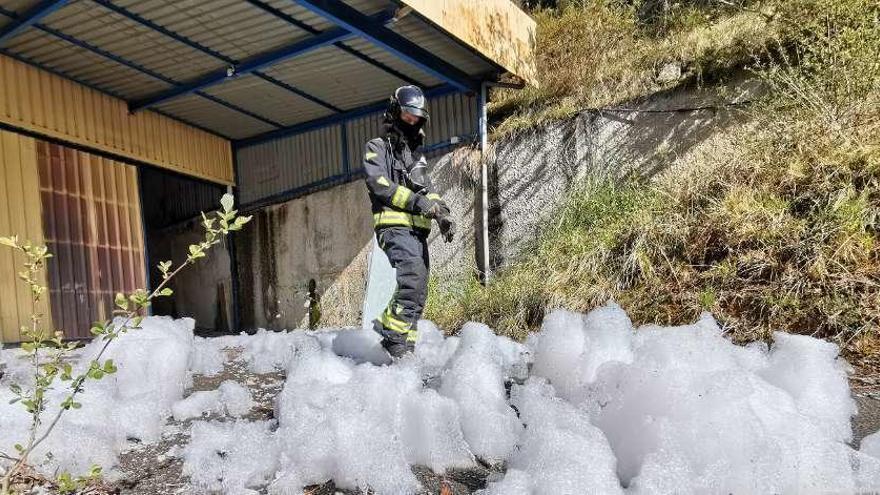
(154, 469)
(866, 392)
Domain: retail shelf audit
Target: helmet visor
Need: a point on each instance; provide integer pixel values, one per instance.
(417, 111)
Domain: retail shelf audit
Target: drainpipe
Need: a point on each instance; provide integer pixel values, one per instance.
(484, 184)
(147, 285)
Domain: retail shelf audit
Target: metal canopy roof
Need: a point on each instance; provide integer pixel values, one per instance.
(248, 70)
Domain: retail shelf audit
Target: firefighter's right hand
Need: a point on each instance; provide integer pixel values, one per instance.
(447, 228)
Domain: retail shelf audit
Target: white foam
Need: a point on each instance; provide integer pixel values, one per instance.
(871, 445)
(691, 415)
(475, 381)
(230, 398)
(208, 356)
(267, 351)
(132, 403)
(560, 451)
(573, 347)
(514, 482)
(363, 346)
(432, 434)
(808, 369)
(230, 458)
(607, 408)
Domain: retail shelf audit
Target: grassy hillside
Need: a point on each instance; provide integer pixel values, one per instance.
(773, 225)
(594, 53)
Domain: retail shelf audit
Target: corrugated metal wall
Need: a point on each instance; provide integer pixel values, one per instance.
(173, 198)
(20, 214)
(50, 105)
(92, 225)
(277, 166)
(308, 160)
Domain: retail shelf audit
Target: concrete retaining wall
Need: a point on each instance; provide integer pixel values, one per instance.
(326, 235)
(323, 236)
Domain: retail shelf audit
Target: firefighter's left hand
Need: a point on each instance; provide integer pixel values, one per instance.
(447, 228)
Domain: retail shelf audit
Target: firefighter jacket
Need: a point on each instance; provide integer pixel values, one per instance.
(399, 185)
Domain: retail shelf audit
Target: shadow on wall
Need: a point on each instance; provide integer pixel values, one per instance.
(533, 171)
(203, 291)
(322, 237)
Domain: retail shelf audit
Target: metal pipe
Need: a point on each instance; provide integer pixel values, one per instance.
(484, 185)
(147, 285)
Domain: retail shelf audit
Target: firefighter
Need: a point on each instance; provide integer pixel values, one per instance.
(404, 203)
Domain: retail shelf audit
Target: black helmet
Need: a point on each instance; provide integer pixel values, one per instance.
(409, 99)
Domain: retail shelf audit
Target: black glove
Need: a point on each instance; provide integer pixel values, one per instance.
(447, 228)
(432, 208)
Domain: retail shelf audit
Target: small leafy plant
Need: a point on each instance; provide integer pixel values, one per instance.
(50, 355)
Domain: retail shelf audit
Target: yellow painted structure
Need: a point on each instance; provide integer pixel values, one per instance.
(498, 29)
(84, 206)
(50, 105)
(20, 214)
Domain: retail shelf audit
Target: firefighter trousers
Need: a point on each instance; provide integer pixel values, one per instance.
(407, 250)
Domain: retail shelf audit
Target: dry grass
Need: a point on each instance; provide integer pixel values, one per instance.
(595, 53)
(771, 226)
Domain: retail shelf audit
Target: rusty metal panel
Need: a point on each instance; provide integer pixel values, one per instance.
(20, 214)
(289, 163)
(92, 224)
(498, 29)
(440, 44)
(50, 105)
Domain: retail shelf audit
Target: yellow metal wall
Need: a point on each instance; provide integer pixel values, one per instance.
(20, 214)
(47, 104)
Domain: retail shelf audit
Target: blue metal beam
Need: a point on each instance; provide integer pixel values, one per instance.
(32, 16)
(239, 109)
(143, 70)
(204, 49)
(331, 119)
(107, 4)
(347, 49)
(297, 91)
(353, 20)
(253, 64)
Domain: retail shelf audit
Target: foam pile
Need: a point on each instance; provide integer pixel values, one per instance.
(686, 411)
(589, 405)
(230, 457)
(230, 399)
(132, 403)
